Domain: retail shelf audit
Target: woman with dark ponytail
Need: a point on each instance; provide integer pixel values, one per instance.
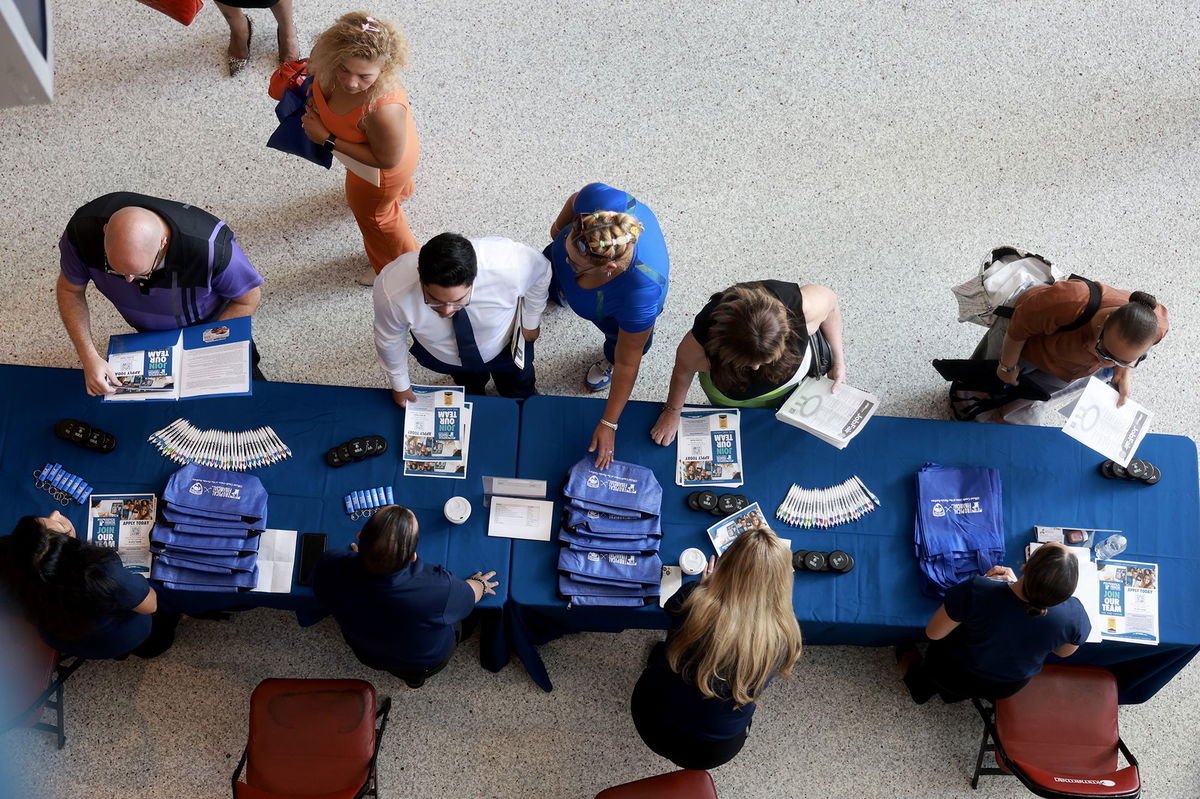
(1118, 336)
(993, 633)
(78, 595)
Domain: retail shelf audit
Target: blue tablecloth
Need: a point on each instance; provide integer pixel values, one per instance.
(1047, 477)
(305, 494)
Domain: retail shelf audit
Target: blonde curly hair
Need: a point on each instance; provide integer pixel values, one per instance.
(360, 35)
(607, 235)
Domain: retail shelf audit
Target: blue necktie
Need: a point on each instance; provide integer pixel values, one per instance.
(468, 353)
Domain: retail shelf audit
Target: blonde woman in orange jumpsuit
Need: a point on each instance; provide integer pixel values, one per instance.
(359, 110)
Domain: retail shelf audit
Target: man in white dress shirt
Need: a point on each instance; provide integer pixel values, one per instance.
(458, 298)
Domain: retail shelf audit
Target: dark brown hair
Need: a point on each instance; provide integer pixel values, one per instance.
(750, 326)
(1136, 321)
(58, 580)
(388, 541)
(1049, 579)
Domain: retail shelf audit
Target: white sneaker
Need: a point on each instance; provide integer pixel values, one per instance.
(599, 375)
(367, 278)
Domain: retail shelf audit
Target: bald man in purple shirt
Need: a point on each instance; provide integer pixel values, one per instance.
(162, 264)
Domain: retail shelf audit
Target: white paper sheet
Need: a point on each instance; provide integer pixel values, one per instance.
(1098, 423)
(530, 519)
(276, 561)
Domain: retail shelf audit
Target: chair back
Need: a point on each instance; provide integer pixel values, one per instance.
(26, 670)
(686, 784)
(310, 738)
(1059, 735)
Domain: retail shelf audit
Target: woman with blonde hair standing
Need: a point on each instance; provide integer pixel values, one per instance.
(360, 113)
(752, 344)
(730, 634)
(610, 265)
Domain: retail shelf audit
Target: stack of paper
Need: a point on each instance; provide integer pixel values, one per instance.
(437, 433)
(833, 418)
(709, 448)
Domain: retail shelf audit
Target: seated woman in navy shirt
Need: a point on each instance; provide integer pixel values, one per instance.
(730, 634)
(78, 595)
(609, 263)
(397, 613)
(991, 636)
(752, 344)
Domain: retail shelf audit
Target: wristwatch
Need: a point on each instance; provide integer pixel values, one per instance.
(1007, 369)
(329, 143)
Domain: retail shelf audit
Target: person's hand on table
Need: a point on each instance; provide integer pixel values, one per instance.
(603, 443)
(404, 397)
(99, 378)
(664, 430)
(1002, 572)
(314, 128)
(708, 568)
(483, 583)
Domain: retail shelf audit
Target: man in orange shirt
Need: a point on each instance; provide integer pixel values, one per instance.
(1118, 336)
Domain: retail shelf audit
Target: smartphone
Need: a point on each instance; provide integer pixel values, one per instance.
(312, 547)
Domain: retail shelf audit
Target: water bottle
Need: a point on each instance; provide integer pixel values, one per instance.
(1111, 547)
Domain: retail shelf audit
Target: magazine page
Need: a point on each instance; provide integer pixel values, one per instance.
(435, 425)
(1098, 423)
(1129, 601)
(453, 468)
(216, 359)
(723, 533)
(833, 418)
(146, 365)
(709, 448)
(123, 522)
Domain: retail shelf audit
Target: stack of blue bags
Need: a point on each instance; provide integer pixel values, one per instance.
(610, 534)
(960, 526)
(206, 537)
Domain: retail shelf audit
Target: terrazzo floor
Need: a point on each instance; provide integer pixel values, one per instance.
(878, 148)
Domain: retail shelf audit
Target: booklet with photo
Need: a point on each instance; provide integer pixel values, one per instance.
(1129, 601)
(1098, 423)
(123, 522)
(435, 425)
(834, 418)
(725, 531)
(709, 448)
(210, 360)
(454, 467)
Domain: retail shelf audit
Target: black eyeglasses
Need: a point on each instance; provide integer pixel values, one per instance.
(462, 302)
(159, 260)
(1108, 356)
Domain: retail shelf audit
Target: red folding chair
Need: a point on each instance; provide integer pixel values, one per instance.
(685, 784)
(312, 738)
(34, 675)
(1058, 735)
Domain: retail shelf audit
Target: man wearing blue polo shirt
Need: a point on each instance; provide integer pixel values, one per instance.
(396, 612)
